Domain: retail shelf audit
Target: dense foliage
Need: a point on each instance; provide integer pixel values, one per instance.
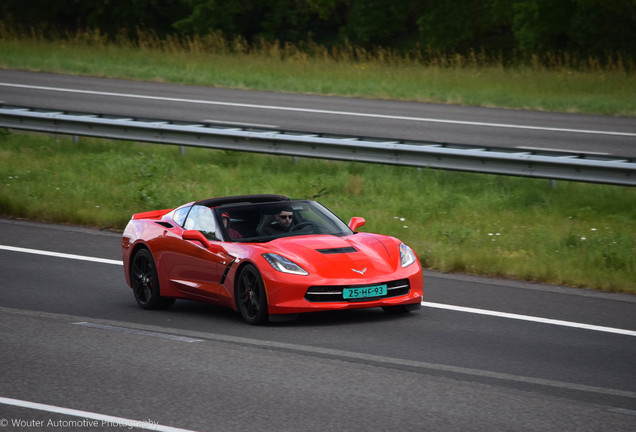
(599, 28)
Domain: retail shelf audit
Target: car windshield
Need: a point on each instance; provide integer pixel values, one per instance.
(261, 222)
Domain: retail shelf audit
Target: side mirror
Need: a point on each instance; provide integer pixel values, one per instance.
(356, 222)
(194, 235)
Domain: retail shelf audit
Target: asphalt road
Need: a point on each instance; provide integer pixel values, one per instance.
(586, 134)
(73, 338)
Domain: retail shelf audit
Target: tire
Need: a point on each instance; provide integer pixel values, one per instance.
(251, 298)
(145, 282)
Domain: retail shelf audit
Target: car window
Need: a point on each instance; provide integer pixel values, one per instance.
(202, 219)
(180, 215)
(309, 217)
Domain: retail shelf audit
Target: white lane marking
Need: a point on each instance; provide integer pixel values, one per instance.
(426, 304)
(623, 411)
(530, 318)
(139, 332)
(93, 420)
(312, 350)
(318, 111)
(60, 255)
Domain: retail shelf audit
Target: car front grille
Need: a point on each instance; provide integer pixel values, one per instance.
(333, 293)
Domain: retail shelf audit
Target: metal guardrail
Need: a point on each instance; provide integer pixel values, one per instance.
(493, 160)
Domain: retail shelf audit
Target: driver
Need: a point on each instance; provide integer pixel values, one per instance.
(284, 219)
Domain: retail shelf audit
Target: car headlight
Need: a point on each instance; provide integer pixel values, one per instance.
(407, 256)
(284, 265)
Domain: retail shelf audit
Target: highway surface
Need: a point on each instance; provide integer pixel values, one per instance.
(77, 353)
(585, 134)
(482, 355)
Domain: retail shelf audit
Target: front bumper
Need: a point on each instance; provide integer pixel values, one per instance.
(287, 297)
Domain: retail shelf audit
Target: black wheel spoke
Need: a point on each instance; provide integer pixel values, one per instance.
(147, 293)
(252, 302)
(142, 279)
(145, 283)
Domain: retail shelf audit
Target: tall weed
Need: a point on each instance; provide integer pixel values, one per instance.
(577, 234)
(553, 82)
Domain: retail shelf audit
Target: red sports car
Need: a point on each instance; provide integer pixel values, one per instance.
(267, 257)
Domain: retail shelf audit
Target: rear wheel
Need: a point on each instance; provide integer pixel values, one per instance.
(251, 296)
(145, 282)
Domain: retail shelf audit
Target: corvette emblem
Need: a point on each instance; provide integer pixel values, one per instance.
(360, 271)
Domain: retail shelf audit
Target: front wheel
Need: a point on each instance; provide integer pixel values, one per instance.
(145, 282)
(251, 297)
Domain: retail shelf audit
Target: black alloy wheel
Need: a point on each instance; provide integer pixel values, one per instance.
(251, 296)
(145, 282)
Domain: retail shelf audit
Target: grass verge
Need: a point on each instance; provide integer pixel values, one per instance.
(575, 234)
(556, 84)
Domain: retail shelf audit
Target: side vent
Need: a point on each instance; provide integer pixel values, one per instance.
(165, 224)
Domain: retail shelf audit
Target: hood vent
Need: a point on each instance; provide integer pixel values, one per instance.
(340, 250)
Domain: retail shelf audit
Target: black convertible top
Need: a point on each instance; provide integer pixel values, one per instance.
(215, 202)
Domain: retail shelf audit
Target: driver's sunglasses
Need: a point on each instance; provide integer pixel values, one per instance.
(286, 216)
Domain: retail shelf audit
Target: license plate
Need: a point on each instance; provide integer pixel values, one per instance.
(364, 292)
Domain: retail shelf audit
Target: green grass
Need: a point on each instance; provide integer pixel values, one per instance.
(575, 234)
(555, 84)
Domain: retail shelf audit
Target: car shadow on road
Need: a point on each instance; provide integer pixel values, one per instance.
(191, 310)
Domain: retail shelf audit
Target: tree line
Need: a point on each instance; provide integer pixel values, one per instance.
(599, 28)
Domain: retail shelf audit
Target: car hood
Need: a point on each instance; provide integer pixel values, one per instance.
(359, 256)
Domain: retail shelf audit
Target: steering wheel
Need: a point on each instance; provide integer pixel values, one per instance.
(301, 225)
